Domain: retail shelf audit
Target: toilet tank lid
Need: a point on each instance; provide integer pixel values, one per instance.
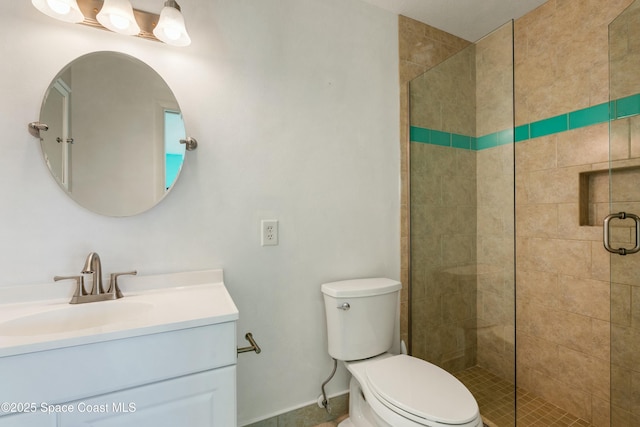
(361, 287)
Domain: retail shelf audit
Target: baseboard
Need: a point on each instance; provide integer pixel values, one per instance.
(306, 415)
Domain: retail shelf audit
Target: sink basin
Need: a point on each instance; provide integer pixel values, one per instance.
(37, 318)
(74, 317)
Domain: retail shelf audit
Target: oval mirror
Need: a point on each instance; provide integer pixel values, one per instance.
(114, 131)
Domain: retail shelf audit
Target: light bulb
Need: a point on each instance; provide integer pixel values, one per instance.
(63, 10)
(59, 7)
(172, 33)
(170, 28)
(119, 22)
(117, 15)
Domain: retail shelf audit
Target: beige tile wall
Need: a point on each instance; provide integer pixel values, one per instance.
(562, 282)
(625, 53)
(495, 213)
(443, 217)
(462, 212)
(561, 55)
(494, 81)
(421, 47)
(444, 98)
(495, 269)
(443, 256)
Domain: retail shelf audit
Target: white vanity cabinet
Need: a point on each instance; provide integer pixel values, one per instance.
(201, 400)
(36, 419)
(183, 377)
(175, 366)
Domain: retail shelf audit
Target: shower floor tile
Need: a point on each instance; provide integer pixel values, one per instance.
(495, 398)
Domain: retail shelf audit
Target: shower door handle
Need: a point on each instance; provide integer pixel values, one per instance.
(607, 239)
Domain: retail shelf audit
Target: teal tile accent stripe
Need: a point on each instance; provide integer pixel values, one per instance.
(522, 133)
(589, 116)
(626, 107)
(461, 141)
(505, 137)
(441, 138)
(601, 113)
(487, 141)
(549, 126)
(445, 139)
(417, 134)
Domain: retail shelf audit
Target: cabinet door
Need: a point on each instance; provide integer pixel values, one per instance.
(37, 419)
(207, 399)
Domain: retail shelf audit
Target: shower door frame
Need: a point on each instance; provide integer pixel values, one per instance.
(621, 228)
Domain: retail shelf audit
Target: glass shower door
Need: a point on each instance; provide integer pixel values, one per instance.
(621, 233)
(462, 221)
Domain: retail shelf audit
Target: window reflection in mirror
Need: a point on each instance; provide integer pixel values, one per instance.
(174, 151)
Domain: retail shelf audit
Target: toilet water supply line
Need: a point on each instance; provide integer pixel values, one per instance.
(325, 403)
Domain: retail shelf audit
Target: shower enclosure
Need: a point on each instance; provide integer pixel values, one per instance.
(483, 184)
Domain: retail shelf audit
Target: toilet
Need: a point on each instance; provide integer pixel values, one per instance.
(388, 390)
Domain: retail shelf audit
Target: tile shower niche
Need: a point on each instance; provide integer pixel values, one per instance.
(594, 198)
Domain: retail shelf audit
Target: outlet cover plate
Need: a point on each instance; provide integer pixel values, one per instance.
(269, 232)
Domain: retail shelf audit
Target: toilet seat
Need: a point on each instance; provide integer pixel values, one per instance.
(421, 391)
(402, 389)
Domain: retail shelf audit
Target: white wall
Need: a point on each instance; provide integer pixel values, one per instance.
(295, 106)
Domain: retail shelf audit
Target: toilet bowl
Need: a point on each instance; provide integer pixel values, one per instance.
(388, 390)
(403, 391)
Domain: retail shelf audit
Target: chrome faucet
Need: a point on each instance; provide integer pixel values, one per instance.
(93, 266)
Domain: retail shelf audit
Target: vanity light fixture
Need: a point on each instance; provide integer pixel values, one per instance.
(121, 17)
(64, 10)
(117, 16)
(170, 28)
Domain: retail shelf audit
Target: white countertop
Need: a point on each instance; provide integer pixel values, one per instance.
(151, 304)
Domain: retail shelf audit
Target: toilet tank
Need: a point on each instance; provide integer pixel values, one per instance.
(361, 316)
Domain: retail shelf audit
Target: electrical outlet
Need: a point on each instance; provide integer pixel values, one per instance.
(269, 232)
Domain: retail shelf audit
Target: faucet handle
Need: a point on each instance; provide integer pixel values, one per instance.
(80, 290)
(113, 283)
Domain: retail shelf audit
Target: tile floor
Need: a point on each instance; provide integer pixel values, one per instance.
(495, 398)
(332, 423)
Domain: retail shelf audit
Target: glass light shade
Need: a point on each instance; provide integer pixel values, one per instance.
(171, 29)
(117, 15)
(63, 10)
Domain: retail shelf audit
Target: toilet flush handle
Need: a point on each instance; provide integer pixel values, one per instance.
(345, 306)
